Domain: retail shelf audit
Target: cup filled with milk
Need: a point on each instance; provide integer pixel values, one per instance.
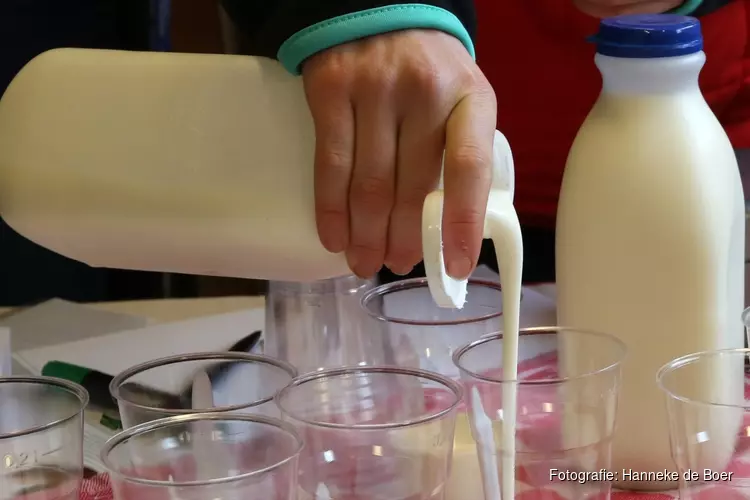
(556, 437)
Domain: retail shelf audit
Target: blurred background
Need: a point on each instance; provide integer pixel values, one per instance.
(31, 274)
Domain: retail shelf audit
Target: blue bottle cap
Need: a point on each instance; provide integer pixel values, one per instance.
(648, 36)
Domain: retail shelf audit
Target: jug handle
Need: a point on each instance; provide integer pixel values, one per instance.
(445, 290)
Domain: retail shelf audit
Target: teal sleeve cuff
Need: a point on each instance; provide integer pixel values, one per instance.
(687, 7)
(342, 29)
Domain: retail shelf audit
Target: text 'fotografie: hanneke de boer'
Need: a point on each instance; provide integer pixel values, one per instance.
(632, 475)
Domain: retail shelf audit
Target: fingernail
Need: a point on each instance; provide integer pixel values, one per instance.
(459, 268)
(358, 269)
(399, 270)
(336, 245)
(352, 260)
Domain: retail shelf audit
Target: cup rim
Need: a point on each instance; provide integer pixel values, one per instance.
(411, 283)
(352, 281)
(120, 378)
(540, 330)
(450, 384)
(688, 359)
(70, 387)
(161, 423)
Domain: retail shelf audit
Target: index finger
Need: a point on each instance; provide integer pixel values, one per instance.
(333, 117)
(470, 131)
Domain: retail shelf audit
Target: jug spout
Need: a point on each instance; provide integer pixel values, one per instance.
(500, 219)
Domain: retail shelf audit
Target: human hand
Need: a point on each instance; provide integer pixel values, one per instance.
(610, 8)
(385, 108)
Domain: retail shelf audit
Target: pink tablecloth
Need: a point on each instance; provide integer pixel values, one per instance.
(545, 365)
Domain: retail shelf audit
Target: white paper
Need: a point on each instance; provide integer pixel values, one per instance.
(57, 322)
(6, 360)
(115, 352)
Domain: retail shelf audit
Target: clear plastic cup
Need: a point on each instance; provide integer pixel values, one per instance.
(321, 325)
(566, 402)
(373, 432)
(204, 456)
(422, 334)
(41, 438)
(240, 382)
(709, 422)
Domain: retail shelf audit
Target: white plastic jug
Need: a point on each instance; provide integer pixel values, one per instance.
(650, 235)
(197, 164)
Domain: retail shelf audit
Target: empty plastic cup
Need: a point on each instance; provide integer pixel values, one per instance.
(373, 432)
(422, 334)
(565, 413)
(41, 438)
(204, 456)
(238, 382)
(709, 418)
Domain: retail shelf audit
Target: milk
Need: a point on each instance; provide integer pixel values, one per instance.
(650, 236)
(501, 224)
(465, 481)
(505, 231)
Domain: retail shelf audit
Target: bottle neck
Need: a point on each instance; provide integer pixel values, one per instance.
(663, 75)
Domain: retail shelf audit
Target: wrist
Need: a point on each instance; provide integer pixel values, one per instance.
(357, 25)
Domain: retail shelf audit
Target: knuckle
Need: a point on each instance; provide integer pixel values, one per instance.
(327, 75)
(485, 93)
(474, 82)
(330, 212)
(403, 255)
(367, 246)
(377, 79)
(425, 78)
(334, 160)
(473, 161)
(372, 192)
(466, 218)
(412, 200)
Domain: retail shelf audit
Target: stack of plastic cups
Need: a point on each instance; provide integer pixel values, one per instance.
(320, 325)
(200, 426)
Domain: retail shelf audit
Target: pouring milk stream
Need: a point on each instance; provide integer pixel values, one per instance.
(502, 226)
(200, 164)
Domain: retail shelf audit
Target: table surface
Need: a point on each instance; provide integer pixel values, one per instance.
(166, 310)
